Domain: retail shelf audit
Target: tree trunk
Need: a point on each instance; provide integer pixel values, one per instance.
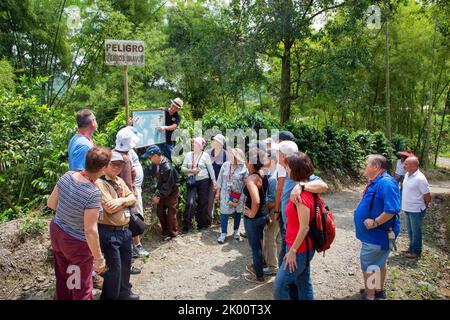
(388, 98)
(447, 106)
(285, 95)
(426, 149)
(261, 105)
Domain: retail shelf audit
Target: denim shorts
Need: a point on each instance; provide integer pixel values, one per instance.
(372, 255)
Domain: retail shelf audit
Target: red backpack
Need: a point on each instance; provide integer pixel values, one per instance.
(322, 229)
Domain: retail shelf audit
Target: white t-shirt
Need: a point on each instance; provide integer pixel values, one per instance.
(137, 167)
(280, 171)
(399, 169)
(203, 162)
(413, 189)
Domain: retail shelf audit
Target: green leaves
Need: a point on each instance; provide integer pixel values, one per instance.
(33, 153)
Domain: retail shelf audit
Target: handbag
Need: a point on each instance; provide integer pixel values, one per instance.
(233, 200)
(191, 181)
(136, 224)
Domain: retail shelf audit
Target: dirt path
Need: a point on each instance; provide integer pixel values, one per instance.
(195, 266)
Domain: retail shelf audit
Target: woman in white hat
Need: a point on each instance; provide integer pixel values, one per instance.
(230, 184)
(218, 156)
(197, 164)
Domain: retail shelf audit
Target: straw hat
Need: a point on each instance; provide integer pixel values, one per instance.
(178, 103)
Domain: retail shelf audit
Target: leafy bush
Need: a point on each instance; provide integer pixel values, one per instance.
(309, 140)
(399, 143)
(381, 145)
(33, 154)
(352, 154)
(32, 225)
(364, 140)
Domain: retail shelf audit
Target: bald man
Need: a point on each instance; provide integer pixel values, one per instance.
(416, 197)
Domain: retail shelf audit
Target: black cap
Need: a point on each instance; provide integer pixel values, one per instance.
(284, 136)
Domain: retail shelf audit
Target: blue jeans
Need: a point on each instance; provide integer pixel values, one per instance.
(283, 244)
(254, 228)
(292, 286)
(301, 277)
(116, 247)
(166, 149)
(224, 221)
(414, 225)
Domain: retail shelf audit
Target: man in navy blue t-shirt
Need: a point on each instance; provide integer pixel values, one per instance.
(376, 217)
(172, 121)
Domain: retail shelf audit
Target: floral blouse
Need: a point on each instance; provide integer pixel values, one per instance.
(231, 184)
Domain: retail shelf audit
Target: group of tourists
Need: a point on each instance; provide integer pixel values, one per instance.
(270, 186)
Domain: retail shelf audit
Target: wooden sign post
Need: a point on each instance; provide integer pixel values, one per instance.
(125, 53)
(125, 92)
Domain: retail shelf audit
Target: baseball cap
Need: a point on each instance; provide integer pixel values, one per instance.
(288, 148)
(116, 156)
(152, 150)
(283, 136)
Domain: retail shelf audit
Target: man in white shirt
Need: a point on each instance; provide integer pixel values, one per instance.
(416, 197)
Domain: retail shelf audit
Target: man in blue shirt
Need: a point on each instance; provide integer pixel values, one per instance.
(81, 142)
(376, 217)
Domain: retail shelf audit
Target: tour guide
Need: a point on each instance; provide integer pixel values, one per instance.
(172, 121)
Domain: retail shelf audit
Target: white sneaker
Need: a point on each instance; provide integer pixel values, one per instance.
(222, 238)
(140, 251)
(236, 235)
(269, 272)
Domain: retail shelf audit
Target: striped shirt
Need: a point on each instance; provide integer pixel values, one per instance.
(75, 197)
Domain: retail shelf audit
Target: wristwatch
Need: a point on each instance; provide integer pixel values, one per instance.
(302, 184)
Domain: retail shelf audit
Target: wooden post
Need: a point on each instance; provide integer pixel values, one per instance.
(125, 92)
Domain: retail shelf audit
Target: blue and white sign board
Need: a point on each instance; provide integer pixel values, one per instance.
(146, 122)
